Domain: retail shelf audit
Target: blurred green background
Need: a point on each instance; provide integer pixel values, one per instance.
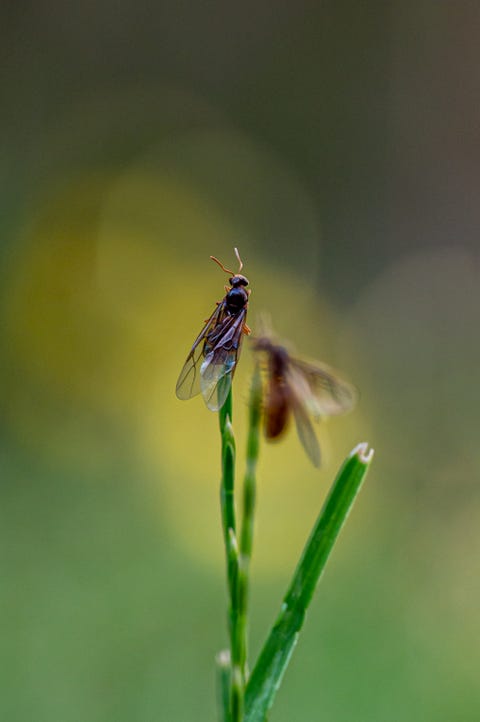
(336, 144)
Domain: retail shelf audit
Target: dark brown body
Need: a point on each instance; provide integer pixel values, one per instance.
(277, 406)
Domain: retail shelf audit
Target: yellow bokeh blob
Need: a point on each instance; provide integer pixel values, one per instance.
(101, 312)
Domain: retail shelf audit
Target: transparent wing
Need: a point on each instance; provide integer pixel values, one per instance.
(305, 430)
(216, 378)
(188, 383)
(218, 367)
(326, 393)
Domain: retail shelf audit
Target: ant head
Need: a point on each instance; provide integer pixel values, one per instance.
(238, 280)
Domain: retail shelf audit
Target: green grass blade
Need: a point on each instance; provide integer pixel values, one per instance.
(237, 566)
(227, 501)
(275, 655)
(240, 619)
(248, 518)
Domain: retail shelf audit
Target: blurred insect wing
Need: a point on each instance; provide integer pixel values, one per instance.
(315, 390)
(327, 394)
(305, 431)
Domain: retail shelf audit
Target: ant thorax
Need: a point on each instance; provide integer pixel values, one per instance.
(236, 299)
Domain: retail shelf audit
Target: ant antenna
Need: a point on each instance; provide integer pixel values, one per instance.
(238, 259)
(222, 266)
(226, 269)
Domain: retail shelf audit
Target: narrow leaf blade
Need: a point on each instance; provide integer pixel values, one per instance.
(274, 658)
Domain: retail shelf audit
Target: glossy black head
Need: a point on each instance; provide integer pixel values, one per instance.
(238, 280)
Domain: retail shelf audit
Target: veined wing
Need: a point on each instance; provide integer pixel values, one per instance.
(188, 383)
(327, 394)
(220, 361)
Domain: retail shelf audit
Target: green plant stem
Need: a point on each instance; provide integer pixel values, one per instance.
(223, 685)
(275, 655)
(238, 559)
(227, 500)
(246, 537)
(227, 497)
(228, 468)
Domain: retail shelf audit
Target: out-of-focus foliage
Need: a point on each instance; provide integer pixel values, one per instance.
(336, 147)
